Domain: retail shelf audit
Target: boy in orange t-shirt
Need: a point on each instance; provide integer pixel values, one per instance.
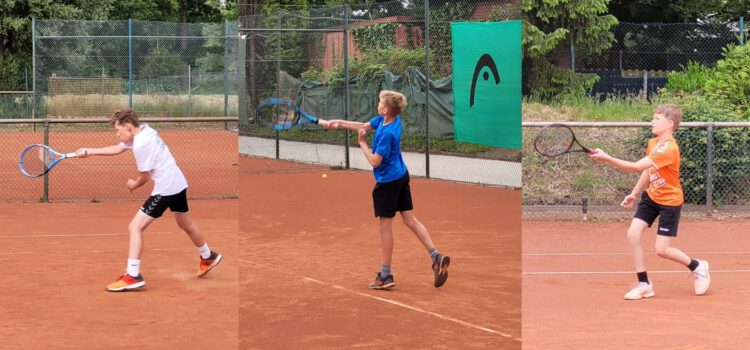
(663, 197)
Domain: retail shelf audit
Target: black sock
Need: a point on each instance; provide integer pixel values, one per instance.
(693, 264)
(643, 277)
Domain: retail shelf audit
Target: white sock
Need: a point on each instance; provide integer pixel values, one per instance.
(134, 267)
(205, 251)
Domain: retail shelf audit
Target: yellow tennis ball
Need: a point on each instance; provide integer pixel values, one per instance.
(324, 176)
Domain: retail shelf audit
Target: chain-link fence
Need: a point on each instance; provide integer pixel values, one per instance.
(90, 68)
(644, 53)
(16, 104)
(298, 60)
(203, 147)
(715, 170)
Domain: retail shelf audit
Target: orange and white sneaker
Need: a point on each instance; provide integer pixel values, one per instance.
(640, 291)
(702, 278)
(126, 282)
(208, 264)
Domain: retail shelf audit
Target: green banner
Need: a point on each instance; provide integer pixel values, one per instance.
(487, 83)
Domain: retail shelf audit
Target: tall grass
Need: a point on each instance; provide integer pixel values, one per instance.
(587, 108)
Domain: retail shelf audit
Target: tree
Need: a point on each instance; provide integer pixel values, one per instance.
(549, 28)
(669, 11)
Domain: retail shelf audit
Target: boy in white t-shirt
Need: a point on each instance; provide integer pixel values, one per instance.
(155, 162)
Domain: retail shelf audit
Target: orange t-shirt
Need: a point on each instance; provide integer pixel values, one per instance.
(664, 187)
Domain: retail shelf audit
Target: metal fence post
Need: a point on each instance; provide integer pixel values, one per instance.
(709, 170)
(190, 92)
(45, 193)
(346, 81)
(572, 53)
(278, 75)
(33, 71)
(226, 72)
(130, 63)
(427, 88)
(742, 31)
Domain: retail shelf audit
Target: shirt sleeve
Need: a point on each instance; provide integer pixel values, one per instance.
(376, 121)
(384, 147)
(663, 155)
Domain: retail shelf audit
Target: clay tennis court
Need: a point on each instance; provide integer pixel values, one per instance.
(576, 273)
(58, 258)
(309, 247)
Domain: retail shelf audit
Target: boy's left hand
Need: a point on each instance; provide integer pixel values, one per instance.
(132, 184)
(361, 135)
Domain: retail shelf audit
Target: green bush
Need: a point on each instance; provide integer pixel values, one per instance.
(371, 67)
(692, 78)
(730, 163)
(732, 79)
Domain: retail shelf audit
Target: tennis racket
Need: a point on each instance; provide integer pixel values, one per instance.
(282, 114)
(558, 139)
(37, 160)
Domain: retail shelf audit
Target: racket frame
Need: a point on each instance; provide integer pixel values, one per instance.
(570, 146)
(54, 158)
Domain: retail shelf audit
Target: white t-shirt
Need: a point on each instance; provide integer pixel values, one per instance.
(152, 155)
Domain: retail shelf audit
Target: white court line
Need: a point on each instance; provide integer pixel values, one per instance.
(393, 302)
(104, 234)
(464, 323)
(620, 253)
(548, 273)
(17, 253)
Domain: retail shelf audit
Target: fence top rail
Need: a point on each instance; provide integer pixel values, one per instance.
(17, 92)
(106, 120)
(637, 124)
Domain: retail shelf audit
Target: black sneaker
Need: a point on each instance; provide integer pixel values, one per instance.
(383, 283)
(440, 267)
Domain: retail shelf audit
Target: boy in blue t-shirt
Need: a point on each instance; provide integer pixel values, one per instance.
(392, 192)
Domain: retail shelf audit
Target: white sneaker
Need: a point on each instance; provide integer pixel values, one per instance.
(640, 291)
(702, 280)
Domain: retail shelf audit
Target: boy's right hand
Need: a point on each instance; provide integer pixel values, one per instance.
(628, 202)
(82, 153)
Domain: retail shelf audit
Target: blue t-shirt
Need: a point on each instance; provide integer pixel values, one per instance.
(387, 144)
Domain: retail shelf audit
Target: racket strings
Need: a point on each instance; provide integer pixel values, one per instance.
(554, 141)
(37, 161)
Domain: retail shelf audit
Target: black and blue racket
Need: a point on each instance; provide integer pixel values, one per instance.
(37, 160)
(557, 139)
(283, 114)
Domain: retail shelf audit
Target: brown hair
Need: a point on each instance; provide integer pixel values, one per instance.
(395, 101)
(125, 116)
(671, 112)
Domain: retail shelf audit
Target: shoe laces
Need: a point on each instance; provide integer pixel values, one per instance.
(695, 274)
(640, 285)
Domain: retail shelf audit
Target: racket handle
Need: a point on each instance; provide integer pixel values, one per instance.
(71, 155)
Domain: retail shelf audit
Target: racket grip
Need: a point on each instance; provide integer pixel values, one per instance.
(71, 155)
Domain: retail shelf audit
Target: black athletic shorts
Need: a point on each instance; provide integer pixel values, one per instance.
(391, 197)
(156, 205)
(669, 215)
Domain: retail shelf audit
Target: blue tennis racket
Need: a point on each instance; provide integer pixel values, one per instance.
(37, 160)
(283, 114)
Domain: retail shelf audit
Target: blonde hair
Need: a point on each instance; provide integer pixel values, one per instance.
(671, 112)
(395, 101)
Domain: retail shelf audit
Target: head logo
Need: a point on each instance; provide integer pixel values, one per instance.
(484, 61)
